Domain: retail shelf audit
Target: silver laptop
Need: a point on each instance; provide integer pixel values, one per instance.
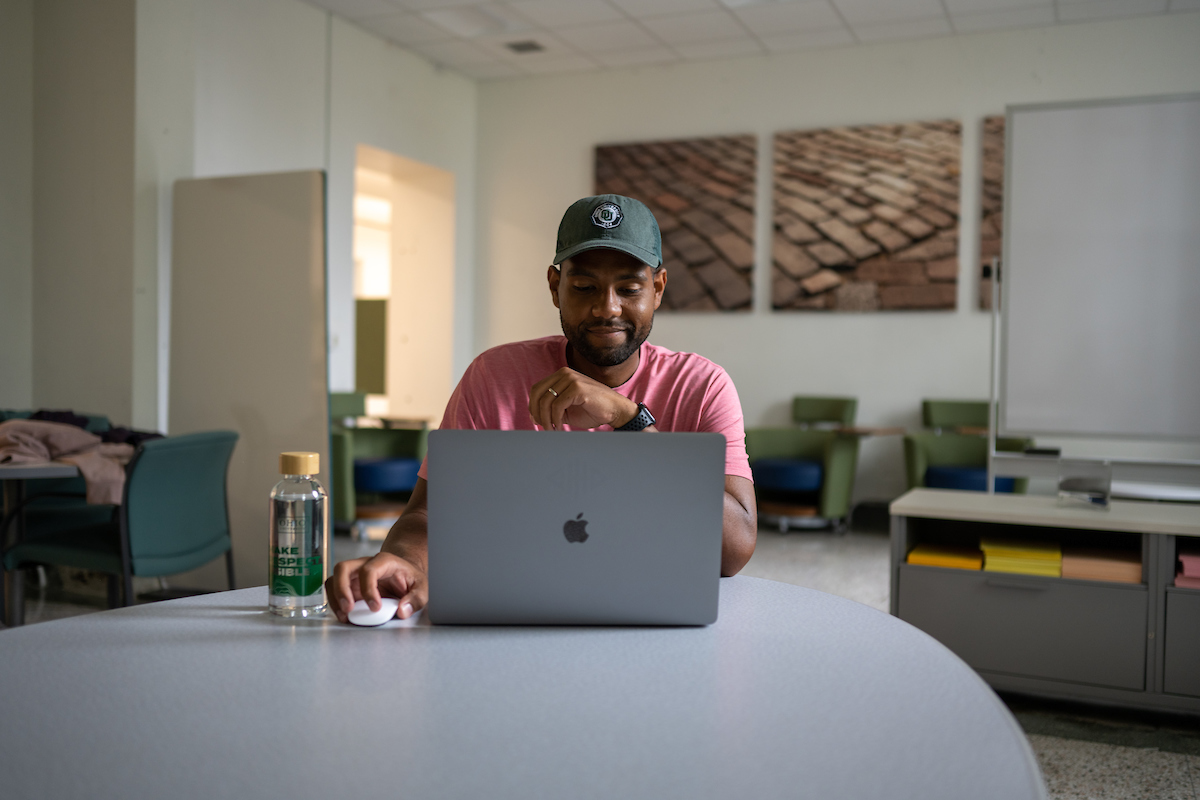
(578, 528)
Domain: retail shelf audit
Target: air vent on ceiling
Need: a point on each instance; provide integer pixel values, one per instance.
(526, 46)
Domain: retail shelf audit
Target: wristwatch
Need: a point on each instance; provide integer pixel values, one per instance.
(642, 420)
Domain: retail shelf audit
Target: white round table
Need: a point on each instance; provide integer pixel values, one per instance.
(792, 693)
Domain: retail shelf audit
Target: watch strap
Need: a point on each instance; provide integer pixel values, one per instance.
(642, 420)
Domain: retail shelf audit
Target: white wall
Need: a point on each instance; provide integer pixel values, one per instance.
(387, 98)
(165, 97)
(535, 157)
(261, 71)
(16, 203)
(83, 156)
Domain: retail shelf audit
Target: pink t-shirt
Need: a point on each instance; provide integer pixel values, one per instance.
(685, 393)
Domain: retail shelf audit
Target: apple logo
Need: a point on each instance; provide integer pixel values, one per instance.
(576, 529)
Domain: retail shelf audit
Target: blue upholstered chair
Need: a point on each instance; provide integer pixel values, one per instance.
(954, 454)
(804, 475)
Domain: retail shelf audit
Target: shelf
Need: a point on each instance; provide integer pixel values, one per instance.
(1009, 509)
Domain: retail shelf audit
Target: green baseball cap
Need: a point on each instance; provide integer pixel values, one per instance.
(610, 221)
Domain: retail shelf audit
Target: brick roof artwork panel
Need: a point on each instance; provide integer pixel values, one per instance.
(702, 194)
(866, 218)
(991, 204)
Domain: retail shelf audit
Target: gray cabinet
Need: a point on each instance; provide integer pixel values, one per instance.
(1026, 625)
(1181, 662)
(1135, 645)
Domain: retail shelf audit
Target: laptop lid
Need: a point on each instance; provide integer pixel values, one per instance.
(575, 528)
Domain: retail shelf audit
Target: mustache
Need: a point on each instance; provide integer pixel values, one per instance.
(608, 325)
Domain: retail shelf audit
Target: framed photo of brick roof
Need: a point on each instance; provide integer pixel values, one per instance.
(702, 193)
(866, 217)
(991, 204)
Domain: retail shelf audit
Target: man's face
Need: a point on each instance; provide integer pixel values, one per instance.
(606, 301)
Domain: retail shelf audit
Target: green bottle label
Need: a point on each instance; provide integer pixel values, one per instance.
(294, 572)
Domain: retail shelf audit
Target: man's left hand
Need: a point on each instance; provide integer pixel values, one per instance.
(571, 398)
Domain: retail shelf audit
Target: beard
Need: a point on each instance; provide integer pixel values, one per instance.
(605, 356)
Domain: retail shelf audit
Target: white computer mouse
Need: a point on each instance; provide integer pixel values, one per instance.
(362, 614)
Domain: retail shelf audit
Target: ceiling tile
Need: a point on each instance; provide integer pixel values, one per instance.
(560, 65)
(1006, 18)
(654, 8)
(728, 48)
(485, 72)
(553, 48)
(404, 28)
(873, 12)
(425, 5)
(637, 55)
(705, 26)
(913, 29)
(454, 54)
(973, 6)
(478, 20)
(564, 13)
(834, 37)
(1107, 9)
(357, 9)
(1185, 5)
(784, 18)
(608, 36)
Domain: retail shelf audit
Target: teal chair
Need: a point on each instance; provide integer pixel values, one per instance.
(173, 517)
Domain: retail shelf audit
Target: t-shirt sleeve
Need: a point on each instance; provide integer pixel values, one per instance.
(722, 413)
(461, 411)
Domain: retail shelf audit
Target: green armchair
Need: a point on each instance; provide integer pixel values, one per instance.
(811, 465)
(350, 443)
(954, 454)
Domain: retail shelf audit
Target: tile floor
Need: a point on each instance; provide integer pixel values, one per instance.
(1085, 753)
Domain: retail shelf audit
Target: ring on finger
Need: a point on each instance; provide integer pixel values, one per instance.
(551, 391)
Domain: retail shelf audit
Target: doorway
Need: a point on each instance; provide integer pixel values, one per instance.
(403, 286)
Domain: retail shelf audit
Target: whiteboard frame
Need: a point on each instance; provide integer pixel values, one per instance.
(1000, 413)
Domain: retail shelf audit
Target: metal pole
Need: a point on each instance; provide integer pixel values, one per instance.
(995, 381)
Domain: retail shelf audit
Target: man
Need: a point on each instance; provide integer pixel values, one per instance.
(608, 282)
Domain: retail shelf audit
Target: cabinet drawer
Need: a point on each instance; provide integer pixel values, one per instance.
(1181, 664)
(1051, 628)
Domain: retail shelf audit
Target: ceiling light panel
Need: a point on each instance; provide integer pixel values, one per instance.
(706, 26)
(873, 12)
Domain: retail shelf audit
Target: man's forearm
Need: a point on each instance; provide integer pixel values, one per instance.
(738, 535)
(409, 539)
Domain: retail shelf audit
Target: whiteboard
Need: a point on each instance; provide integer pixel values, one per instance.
(1101, 275)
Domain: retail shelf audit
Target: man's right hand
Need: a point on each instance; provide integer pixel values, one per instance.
(384, 575)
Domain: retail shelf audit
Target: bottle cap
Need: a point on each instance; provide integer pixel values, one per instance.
(299, 463)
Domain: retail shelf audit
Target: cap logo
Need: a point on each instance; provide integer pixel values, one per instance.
(607, 215)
